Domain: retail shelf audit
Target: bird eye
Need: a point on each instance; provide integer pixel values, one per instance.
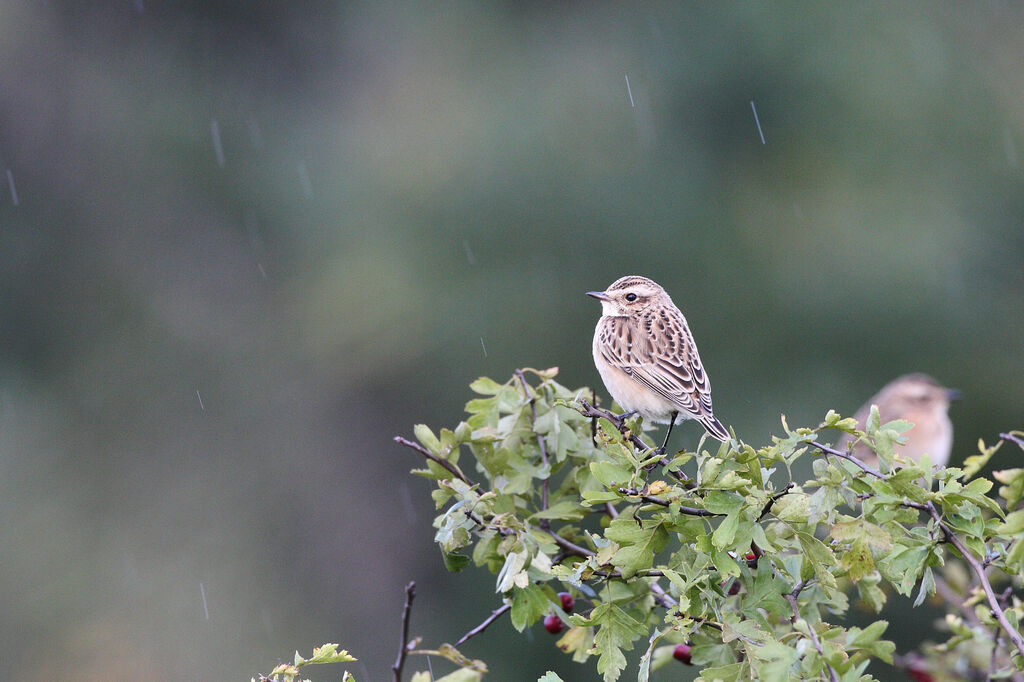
(630, 297)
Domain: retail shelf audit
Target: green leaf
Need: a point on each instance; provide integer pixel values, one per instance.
(927, 587)
(592, 497)
(565, 510)
(734, 672)
(643, 675)
(857, 561)
(819, 557)
(638, 544)
(610, 475)
(726, 565)
(726, 531)
(975, 463)
(486, 386)
(1013, 524)
(528, 605)
(455, 562)
(617, 630)
(722, 502)
(427, 438)
(549, 677)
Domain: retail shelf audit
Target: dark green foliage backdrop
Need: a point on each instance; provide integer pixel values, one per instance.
(242, 246)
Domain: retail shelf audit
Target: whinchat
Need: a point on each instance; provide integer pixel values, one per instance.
(920, 400)
(646, 356)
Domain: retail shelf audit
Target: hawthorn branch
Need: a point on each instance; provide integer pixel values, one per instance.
(569, 546)
(495, 615)
(617, 421)
(850, 458)
(594, 412)
(403, 649)
(1013, 438)
(540, 441)
(771, 500)
(690, 511)
(792, 599)
(434, 458)
(979, 571)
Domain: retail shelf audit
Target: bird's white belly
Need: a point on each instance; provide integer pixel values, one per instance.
(633, 396)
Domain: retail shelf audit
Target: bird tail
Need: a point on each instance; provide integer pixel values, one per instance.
(714, 428)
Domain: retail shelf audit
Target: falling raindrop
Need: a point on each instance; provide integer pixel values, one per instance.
(202, 592)
(757, 121)
(217, 148)
(200, 401)
(410, 508)
(630, 91)
(14, 190)
(483, 346)
(469, 252)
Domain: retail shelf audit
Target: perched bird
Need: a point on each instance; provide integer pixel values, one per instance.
(920, 400)
(647, 359)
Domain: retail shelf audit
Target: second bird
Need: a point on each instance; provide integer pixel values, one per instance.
(647, 359)
(920, 400)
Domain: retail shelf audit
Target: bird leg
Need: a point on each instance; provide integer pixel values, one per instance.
(671, 423)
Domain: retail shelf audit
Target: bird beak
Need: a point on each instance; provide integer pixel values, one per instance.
(599, 295)
(952, 394)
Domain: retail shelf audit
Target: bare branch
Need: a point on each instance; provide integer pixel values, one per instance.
(569, 547)
(691, 511)
(792, 599)
(495, 615)
(410, 592)
(594, 412)
(773, 498)
(434, 458)
(979, 571)
(850, 458)
(1013, 438)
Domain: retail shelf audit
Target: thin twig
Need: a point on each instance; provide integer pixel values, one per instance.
(495, 615)
(592, 411)
(540, 441)
(434, 458)
(792, 599)
(690, 511)
(979, 571)
(618, 422)
(403, 649)
(642, 573)
(849, 458)
(661, 596)
(568, 546)
(1012, 438)
(773, 498)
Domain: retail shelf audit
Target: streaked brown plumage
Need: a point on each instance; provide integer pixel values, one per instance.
(647, 359)
(916, 398)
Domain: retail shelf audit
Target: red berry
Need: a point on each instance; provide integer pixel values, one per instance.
(751, 556)
(553, 624)
(682, 653)
(919, 673)
(734, 588)
(567, 601)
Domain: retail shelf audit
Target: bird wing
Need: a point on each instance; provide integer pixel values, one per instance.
(657, 350)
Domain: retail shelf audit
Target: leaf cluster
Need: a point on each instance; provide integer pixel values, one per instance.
(720, 548)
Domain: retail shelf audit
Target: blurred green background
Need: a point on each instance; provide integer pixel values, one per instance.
(243, 244)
